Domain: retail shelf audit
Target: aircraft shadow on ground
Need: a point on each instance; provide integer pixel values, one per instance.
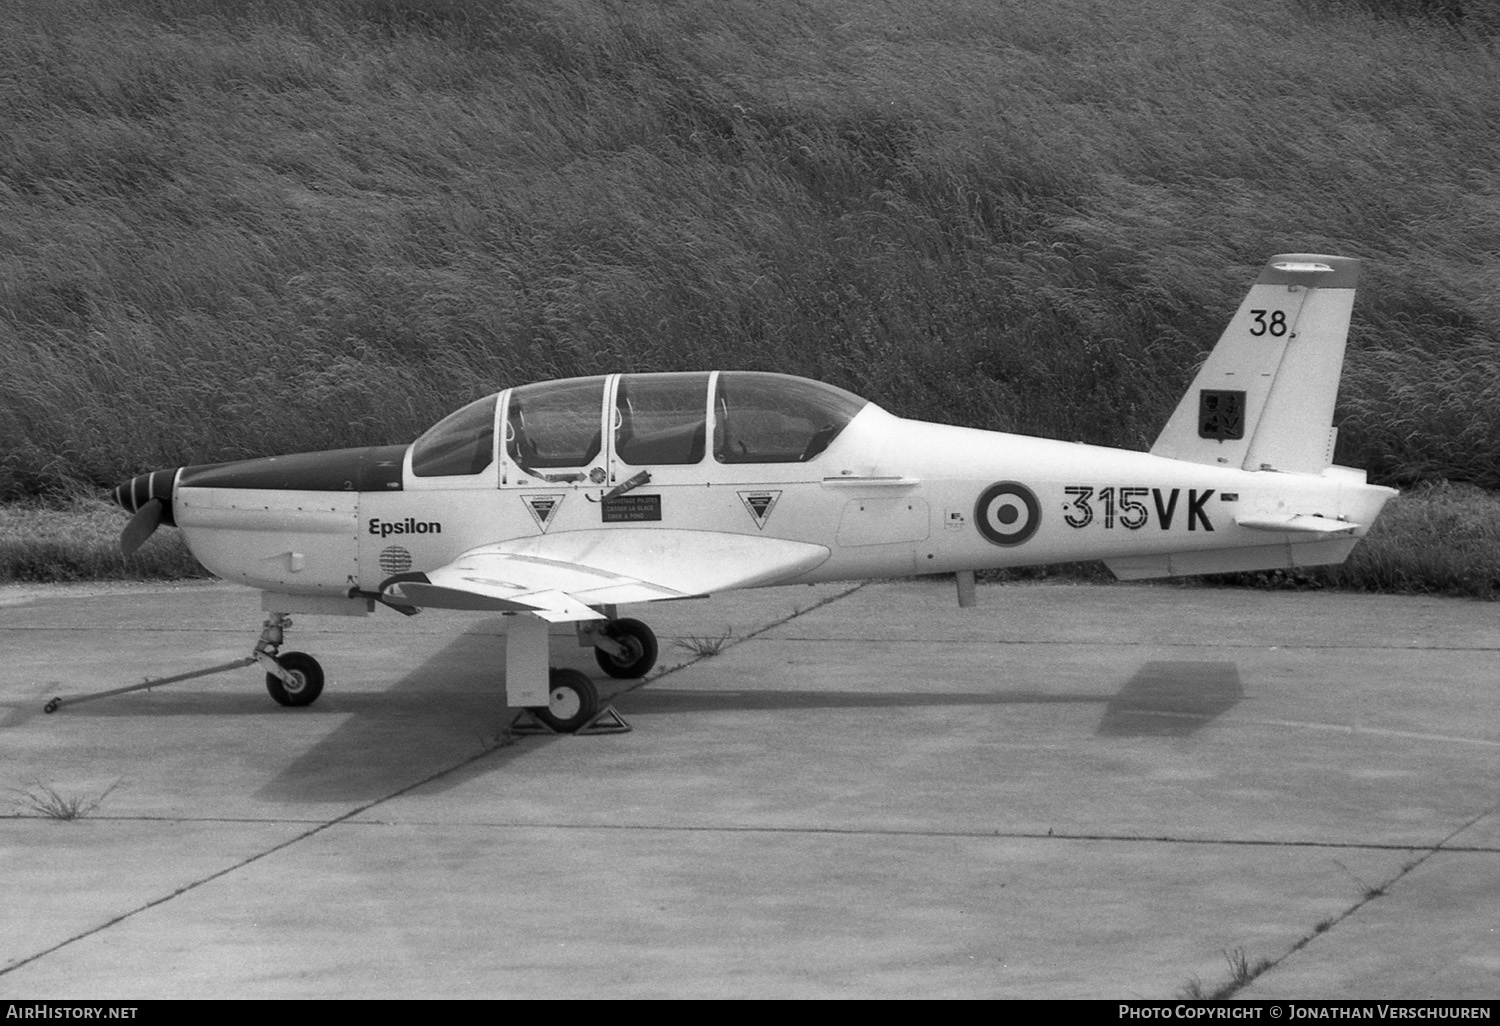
(668, 700)
(443, 712)
(1172, 699)
(1161, 699)
(449, 709)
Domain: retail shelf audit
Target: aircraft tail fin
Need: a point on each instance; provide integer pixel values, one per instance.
(1264, 398)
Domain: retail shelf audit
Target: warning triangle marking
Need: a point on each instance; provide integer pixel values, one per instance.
(543, 508)
(759, 505)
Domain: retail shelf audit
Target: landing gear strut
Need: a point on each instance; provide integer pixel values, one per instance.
(563, 700)
(292, 678)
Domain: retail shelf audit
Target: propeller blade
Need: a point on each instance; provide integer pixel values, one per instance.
(142, 526)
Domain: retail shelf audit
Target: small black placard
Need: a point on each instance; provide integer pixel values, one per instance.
(624, 508)
(1221, 414)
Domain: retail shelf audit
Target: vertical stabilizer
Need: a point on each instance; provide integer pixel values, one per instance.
(1264, 399)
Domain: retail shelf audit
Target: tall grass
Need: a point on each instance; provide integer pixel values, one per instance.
(1436, 538)
(76, 538)
(269, 226)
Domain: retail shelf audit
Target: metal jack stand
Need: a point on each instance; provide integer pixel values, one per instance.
(266, 648)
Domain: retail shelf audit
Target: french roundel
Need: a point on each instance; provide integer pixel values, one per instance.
(1007, 513)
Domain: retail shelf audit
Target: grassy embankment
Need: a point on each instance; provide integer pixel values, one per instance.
(232, 230)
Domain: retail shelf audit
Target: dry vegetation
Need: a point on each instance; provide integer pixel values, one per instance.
(233, 229)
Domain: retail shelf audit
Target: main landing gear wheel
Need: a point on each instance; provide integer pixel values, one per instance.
(639, 639)
(306, 684)
(572, 701)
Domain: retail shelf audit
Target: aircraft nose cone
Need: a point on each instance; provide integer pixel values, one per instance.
(133, 494)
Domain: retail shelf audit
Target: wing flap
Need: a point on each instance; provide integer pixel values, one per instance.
(560, 577)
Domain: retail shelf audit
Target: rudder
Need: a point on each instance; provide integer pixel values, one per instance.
(1264, 398)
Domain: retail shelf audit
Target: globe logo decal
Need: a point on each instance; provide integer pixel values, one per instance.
(395, 560)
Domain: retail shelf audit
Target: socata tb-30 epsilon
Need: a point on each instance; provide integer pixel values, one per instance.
(564, 500)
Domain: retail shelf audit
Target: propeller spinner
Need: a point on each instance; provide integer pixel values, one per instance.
(149, 497)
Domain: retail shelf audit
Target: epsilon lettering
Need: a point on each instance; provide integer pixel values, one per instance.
(386, 528)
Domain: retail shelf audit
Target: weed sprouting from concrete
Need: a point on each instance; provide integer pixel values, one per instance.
(48, 802)
(1193, 990)
(705, 646)
(1241, 972)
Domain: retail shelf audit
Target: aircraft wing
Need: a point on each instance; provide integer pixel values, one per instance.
(562, 576)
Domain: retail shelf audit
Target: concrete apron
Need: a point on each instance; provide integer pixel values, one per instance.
(1090, 791)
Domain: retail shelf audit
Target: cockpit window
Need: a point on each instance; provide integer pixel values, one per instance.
(462, 443)
(555, 423)
(775, 418)
(661, 418)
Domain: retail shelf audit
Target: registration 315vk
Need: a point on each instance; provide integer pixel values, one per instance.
(1135, 507)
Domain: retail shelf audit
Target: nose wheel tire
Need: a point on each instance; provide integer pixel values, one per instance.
(307, 680)
(572, 701)
(639, 640)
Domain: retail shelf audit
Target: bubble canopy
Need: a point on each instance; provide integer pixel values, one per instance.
(731, 417)
(461, 444)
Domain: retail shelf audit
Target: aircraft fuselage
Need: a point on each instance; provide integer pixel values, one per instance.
(888, 497)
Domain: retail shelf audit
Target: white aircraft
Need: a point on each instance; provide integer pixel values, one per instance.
(565, 500)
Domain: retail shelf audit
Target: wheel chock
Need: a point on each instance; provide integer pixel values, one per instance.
(526, 723)
(606, 721)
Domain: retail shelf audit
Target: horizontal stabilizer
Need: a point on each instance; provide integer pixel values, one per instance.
(1297, 522)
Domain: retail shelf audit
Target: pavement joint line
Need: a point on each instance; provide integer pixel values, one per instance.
(1371, 893)
(1428, 849)
(1443, 844)
(226, 871)
(1004, 835)
(731, 642)
(1036, 642)
(503, 742)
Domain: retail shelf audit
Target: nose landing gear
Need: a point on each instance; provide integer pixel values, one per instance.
(292, 678)
(305, 683)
